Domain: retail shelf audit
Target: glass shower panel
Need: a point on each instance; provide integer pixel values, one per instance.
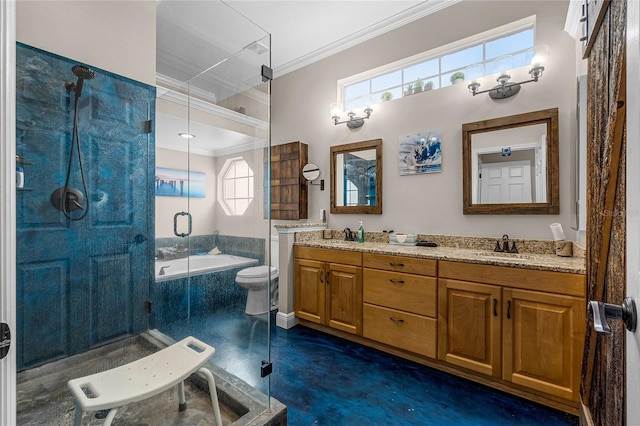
(211, 58)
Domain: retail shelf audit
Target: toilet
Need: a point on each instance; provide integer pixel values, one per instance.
(256, 281)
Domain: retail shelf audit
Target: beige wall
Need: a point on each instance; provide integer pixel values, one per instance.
(432, 203)
(117, 36)
(201, 209)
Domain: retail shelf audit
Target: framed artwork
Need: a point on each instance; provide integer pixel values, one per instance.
(420, 153)
(180, 183)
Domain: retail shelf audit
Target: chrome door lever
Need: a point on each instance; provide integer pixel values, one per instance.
(625, 312)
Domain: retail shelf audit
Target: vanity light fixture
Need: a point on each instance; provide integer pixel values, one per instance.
(353, 122)
(187, 135)
(506, 89)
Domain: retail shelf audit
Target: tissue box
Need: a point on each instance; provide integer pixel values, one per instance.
(410, 240)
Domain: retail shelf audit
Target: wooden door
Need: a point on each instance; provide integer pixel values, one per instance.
(469, 326)
(344, 298)
(542, 341)
(310, 290)
(508, 182)
(603, 373)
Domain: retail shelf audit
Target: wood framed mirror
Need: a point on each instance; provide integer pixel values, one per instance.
(356, 178)
(510, 164)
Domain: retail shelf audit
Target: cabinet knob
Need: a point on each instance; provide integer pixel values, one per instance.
(625, 312)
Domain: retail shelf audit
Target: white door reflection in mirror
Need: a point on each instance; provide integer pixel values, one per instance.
(509, 166)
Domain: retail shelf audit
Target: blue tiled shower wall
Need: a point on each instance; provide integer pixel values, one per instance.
(176, 300)
(81, 284)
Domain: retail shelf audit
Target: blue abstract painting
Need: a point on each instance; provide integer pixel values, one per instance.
(420, 153)
(180, 183)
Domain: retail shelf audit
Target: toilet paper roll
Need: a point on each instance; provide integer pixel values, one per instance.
(557, 232)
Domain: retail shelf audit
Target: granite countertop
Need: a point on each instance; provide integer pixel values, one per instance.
(550, 262)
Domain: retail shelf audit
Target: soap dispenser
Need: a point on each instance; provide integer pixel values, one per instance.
(361, 233)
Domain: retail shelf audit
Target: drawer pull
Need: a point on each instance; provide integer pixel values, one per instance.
(398, 320)
(396, 281)
(321, 274)
(495, 302)
(396, 264)
(509, 309)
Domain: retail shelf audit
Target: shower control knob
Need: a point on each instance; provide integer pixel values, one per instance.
(603, 311)
(5, 339)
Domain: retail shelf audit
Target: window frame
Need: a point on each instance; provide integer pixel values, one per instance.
(528, 23)
(223, 198)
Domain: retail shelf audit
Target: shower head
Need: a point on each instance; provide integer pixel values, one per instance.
(83, 73)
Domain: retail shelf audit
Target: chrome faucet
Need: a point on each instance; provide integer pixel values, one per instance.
(162, 269)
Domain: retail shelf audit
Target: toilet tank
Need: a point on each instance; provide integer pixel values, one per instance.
(275, 251)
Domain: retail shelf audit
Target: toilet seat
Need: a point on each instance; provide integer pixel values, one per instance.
(256, 274)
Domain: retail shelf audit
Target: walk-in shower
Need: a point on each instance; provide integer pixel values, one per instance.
(67, 198)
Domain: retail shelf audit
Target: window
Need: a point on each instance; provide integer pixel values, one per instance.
(236, 189)
(501, 49)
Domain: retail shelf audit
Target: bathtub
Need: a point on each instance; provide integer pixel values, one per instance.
(199, 265)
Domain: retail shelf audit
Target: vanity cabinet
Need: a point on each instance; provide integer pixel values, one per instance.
(328, 288)
(400, 298)
(522, 326)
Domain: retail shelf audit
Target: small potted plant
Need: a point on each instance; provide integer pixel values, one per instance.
(386, 96)
(409, 90)
(417, 86)
(428, 85)
(457, 77)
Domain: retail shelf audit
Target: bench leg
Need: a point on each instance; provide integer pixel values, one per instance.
(214, 395)
(78, 415)
(181, 398)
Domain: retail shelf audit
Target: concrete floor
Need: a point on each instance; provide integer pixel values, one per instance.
(43, 397)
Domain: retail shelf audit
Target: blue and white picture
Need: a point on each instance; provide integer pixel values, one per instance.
(180, 183)
(420, 153)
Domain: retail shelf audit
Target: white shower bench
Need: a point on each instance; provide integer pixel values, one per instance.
(144, 378)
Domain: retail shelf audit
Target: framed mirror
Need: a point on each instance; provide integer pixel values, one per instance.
(510, 164)
(356, 178)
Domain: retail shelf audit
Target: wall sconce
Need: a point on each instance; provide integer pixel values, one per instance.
(353, 122)
(506, 89)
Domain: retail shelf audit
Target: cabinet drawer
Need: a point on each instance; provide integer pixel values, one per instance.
(344, 257)
(411, 265)
(403, 330)
(411, 293)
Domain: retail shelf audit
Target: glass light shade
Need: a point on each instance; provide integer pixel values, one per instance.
(540, 56)
(503, 64)
(335, 110)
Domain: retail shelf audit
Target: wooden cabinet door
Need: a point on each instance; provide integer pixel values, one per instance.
(543, 341)
(469, 326)
(344, 298)
(310, 290)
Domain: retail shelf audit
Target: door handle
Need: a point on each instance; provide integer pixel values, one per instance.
(175, 224)
(625, 312)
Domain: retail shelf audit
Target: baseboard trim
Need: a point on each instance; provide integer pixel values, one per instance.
(286, 321)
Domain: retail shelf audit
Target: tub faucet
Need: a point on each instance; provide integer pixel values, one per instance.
(162, 269)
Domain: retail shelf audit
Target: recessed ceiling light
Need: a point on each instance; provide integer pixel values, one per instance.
(187, 135)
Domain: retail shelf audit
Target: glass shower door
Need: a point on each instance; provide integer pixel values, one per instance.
(213, 225)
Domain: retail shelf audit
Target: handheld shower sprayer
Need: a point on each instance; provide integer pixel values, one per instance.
(66, 198)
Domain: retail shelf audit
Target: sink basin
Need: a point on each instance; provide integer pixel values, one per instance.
(504, 256)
